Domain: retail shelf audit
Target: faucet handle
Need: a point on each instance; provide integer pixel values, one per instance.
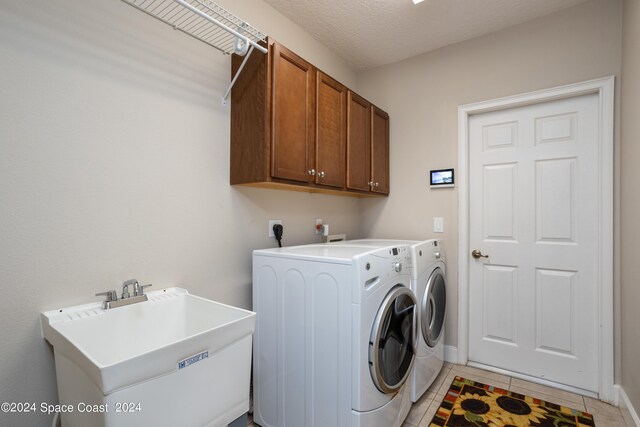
(111, 295)
(125, 288)
(142, 288)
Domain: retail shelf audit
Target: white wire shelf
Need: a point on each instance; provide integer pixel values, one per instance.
(206, 21)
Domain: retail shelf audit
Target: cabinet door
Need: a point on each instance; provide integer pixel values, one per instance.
(358, 143)
(331, 115)
(379, 151)
(292, 141)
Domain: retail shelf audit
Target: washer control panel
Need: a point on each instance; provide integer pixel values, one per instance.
(390, 260)
(380, 267)
(400, 258)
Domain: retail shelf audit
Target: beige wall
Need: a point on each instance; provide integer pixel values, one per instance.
(422, 94)
(114, 163)
(114, 156)
(630, 197)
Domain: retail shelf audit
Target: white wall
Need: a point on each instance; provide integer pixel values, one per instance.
(630, 235)
(114, 163)
(422, 95)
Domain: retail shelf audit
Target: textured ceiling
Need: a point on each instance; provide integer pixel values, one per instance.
(370, 33)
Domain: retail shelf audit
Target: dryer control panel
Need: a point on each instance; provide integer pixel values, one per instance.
(428, 252)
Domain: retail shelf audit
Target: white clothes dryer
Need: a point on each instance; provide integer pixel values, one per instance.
(335, 335)
(431, 291)
(429, 285)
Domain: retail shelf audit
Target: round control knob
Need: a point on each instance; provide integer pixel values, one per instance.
(437, 254)
(397, 267)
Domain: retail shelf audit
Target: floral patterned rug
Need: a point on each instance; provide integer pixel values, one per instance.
(473, 404)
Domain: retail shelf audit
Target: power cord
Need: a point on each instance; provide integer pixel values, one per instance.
(277, 231)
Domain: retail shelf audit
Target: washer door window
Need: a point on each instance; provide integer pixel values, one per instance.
(433, 307)
(392, 344)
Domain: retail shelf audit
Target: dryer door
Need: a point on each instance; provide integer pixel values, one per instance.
(433, 306)
(392, 343)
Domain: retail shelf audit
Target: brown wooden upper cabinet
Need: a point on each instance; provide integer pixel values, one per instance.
(292, 141)
(331, 134)
(358, 143)
(367, 146)
(291, 127)
(379, 151)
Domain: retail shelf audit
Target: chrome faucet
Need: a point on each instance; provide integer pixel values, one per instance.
(112, 300)
(125, 288)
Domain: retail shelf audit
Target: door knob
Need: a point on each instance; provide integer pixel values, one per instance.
(477, 254)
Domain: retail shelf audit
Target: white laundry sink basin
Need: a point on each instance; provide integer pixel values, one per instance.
(174, 350)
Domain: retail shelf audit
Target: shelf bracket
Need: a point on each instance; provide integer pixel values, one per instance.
(225, 98)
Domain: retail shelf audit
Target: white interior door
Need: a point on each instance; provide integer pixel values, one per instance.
(534, 213)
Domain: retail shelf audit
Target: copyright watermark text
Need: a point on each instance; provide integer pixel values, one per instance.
(47, 408)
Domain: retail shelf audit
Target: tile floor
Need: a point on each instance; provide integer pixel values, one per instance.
(424, 409)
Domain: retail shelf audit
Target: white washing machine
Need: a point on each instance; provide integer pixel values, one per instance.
(429, 285)
(334, 343)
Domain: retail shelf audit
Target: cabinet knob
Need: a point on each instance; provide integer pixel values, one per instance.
(321, 174)
(377, 184)
(311, 172)
(370, 183)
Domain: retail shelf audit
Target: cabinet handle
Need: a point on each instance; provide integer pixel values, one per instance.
(321, 174)
(370, 183)
(311, 172)
(377, 184)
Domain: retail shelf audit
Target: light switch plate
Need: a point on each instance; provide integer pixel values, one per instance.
(438, 224)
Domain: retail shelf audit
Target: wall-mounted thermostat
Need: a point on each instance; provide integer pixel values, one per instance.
(442, 178)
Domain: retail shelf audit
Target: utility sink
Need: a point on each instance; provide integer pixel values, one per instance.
(176, 359)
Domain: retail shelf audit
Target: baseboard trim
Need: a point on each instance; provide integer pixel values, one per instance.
(450, 354)
(629, 413)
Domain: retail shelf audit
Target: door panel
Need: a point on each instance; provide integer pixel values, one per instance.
(500, 195)
(556, 200)
(379, 151)
(534, 212)
(358, 143)
(500, 294)
(331, 118)
(555, 319)
(292, 144)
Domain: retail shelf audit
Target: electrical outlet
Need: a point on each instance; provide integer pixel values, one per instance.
(273, 222)
(318, 223)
